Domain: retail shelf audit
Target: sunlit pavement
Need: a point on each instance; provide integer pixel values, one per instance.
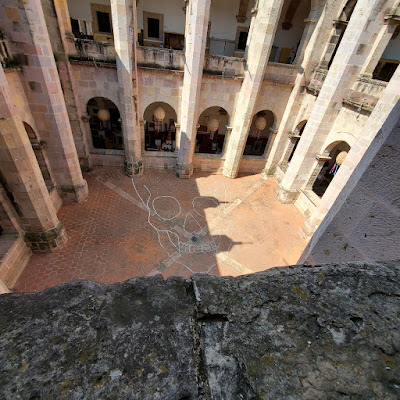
(208, 224)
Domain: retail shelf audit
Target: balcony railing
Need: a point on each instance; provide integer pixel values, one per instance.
(156, 58)
(283, 74)
(317, 80)
(365, 94)
(87, 49)
(225, 67)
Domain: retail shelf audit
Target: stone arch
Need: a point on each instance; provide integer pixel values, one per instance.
(106, 134)
(147, 101)
(220, 103)
(209, 142)
(98, 93)
(327, 167)
(38, 147)
(258, 142)
(337, 137)
(159, 135)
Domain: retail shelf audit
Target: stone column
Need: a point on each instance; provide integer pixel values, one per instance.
(264, 24)
(383, 115)
(311, 54)
(197, 14)
(351, 56)
(348, 202)
(23, 179)
(125, 39)
(227, 138)
(62, 41)
(46, 100)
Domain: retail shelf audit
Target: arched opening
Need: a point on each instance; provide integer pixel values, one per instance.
(296, 138)
(289, 31)
(259, 133)
(336, 155)
(159, 128)
(38, 147)
(105, 124)
(211, 133)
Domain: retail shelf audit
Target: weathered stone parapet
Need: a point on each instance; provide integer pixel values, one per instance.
(302, 332)
(43, 242)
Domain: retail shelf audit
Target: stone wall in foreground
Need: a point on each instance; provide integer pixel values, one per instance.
(305, 332)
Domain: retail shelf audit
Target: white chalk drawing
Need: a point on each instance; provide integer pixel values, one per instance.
(189, 243)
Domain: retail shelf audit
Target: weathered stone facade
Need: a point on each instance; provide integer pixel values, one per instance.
(304, 332)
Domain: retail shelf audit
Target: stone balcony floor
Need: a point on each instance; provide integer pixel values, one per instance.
(208, 224)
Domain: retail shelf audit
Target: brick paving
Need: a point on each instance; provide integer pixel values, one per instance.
(213, 224)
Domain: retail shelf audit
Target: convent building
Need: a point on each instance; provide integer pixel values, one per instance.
(305, 92)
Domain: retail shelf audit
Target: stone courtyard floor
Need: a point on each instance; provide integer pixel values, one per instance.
(161, 224)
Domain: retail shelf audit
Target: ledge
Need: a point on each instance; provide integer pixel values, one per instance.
(159, 68)
(212, 156)
(255, 158)
(107, 152)
(313, 197)
(110, 63)
(168, 154)
(359, 106)
(313, 91)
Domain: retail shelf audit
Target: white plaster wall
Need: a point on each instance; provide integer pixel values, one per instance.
(392, 51)
(174, 16)
(80, 9)
(223, 18)
(291, 37)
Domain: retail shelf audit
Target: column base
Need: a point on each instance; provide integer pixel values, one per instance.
(309, 227)
(184, 171)
(269, 171)
(45, 242)
(133, 167)
(74, 193)
(286, 196)
(85, 164)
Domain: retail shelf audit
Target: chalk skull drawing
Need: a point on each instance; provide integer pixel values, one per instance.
(185, 234)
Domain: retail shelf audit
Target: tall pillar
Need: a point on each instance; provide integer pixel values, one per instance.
(366, 183)
(351, 56)
(125, 39)
(46, 100)
(197, 14)
(263, 30)
(23, 178)
(308, 58)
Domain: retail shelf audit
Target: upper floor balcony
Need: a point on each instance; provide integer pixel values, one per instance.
(365, 93)
(161, 24)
